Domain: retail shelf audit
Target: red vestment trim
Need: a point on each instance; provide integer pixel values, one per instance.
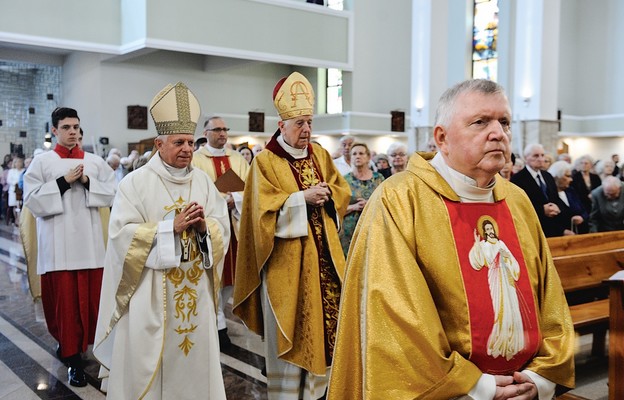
(64, 152)
(221, 164)
(495, 276)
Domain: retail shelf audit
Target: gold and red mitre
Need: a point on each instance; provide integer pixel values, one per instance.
(293, 96)
(175, 110)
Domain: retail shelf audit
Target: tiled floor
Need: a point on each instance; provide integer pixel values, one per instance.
(30, 370)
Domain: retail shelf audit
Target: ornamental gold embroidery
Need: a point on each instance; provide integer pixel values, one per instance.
(194, 274)
(185, 303)
(176, 276)
(299, 89)
(186, 345)
(177, 205)
(306, 173)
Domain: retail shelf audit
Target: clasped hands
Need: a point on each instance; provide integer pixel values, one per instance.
(317, 195)
(358, 206)
(551, 210)
(191, 216)
(517, 387)
(76, 173)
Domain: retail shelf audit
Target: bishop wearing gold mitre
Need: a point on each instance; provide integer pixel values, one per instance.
(228, 169)
(290, 265)
(156, 336)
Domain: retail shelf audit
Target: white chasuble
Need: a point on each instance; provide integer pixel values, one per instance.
(157, 332)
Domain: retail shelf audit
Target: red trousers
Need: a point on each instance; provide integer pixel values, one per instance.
(71, 300)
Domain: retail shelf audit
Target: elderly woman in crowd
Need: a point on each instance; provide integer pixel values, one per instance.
(584, 181)
(604, 168)
(363, 182)
(383, 165)
(573, 217)
(398, 157)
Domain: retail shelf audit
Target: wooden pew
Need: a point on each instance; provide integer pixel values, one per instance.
(584, 262)
(616, 340)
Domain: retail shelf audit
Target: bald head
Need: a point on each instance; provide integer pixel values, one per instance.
(611, 187)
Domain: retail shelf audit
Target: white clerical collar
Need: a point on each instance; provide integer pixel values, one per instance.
(215, 151)
(177, 172)
(465, 187)
(533, 172)
(295, 153)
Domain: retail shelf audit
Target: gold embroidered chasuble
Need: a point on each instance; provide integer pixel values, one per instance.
(298, 271)
(405, 328)
(157, 322)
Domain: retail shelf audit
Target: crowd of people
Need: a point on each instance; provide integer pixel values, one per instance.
(364, 273)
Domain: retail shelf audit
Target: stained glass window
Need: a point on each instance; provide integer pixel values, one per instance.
(484, 40)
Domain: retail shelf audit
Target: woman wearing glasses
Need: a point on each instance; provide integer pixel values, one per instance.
(398, 157)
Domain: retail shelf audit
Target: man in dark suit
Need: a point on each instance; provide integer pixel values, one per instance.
(541, 188)
(607, 212)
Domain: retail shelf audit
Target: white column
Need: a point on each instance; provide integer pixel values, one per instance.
(420, 106)
(535, 71)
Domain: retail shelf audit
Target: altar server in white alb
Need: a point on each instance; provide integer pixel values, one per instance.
(156, 335)
(64, 189)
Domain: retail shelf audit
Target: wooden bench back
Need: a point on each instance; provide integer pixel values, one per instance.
(585, 261)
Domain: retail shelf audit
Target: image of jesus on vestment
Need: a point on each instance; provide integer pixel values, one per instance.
(507, 336)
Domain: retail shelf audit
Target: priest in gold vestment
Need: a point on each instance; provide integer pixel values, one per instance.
(156, 336)
(417, 319)
(290, 263)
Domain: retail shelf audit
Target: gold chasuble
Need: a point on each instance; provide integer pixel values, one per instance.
(439, 292)
(303, 274)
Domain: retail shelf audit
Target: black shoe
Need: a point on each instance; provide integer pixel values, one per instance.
(224, 339)
(77, 376)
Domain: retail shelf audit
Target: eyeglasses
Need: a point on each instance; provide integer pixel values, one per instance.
(219, 129)
(398, 155)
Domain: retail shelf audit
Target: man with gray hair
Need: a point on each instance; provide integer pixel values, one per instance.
(607, 213)
(423, 327)
(541, 188)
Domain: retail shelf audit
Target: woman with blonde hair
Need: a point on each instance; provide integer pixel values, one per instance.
(362, 181)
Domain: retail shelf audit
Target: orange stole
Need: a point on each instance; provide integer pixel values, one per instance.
(222, 164)
(465, 218)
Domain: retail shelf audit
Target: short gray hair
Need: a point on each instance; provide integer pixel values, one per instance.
(346, 137)
(611, 182)
(446, 104)
(559, 168)
(395, 146)
(528, 149)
